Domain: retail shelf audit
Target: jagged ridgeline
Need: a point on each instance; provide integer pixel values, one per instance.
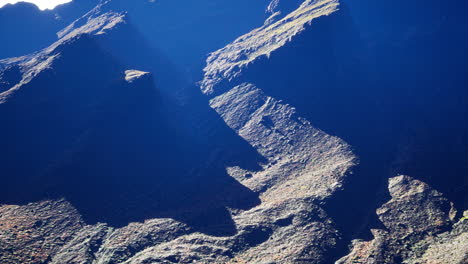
(248, 131)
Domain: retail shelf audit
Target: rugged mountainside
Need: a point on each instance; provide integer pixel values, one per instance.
(111, 154)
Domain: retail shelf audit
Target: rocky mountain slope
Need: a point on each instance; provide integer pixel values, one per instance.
(111, 154)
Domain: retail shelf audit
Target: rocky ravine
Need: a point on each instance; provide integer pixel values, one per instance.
(279, 210)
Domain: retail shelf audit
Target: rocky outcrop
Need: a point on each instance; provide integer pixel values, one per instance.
(416, 221)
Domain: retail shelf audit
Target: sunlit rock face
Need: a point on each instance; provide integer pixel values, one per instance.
(124, 141)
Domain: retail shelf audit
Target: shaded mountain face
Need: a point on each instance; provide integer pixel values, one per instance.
(307, 123)
(26, 29)
(22, 22)
(417, 63)
(91, 117)
(186, 36)
(193, 28)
